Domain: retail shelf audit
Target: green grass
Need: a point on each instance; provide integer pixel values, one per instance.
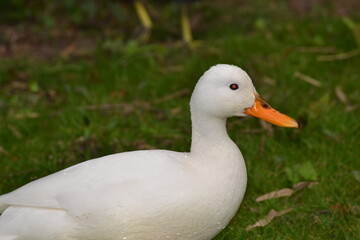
(47, 123)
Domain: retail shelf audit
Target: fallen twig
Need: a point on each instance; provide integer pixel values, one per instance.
(316, 49)
(171, 96)
(307, 79)
(26, 115)
(124, 107)
(351, 108)
(339, 56)
(341, 95)
(269, 81)
(3, 151)
(15, 131)
(108, 106)
(343, 99)
(171, 69)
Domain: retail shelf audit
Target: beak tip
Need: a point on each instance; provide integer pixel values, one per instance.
(293, 124)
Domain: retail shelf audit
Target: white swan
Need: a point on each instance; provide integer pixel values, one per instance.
(152, 194)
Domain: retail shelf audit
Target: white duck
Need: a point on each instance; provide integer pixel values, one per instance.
(152, 194)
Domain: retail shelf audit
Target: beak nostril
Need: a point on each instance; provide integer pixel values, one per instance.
(265, 105)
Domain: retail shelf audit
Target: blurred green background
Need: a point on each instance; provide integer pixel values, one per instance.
(77, 82)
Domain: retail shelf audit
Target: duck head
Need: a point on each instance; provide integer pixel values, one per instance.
(226, 90)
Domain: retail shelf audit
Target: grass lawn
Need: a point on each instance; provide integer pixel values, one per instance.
(59, 111)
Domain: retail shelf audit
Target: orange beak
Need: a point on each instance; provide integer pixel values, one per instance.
(263, 110)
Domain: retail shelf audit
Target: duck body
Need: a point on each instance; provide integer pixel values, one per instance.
(150, 194)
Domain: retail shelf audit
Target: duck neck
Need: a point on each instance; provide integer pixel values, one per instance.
(207, 133)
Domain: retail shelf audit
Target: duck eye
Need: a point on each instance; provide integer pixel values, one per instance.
(234, 86)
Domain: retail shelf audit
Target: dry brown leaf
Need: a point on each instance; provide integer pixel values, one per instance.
(306, 184)
(18, 85)
(26, 115)
(254, 210)
(355, 209)
(308, 79)
(52, 94)
(341, 95)
(175, 111)
(79, 47)
(269, 81)
(110, 106)
(2, 150)
(172, 69)
(316, 49)
(339, 208)
(68, 50)
(339, 56)
(351, 108)
(269, 217)
(285, 192)
(15, 131)
(215, 51)
(264, 221)
(118, 93)
(315, 218)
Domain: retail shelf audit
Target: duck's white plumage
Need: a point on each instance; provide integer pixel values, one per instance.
(145, 195)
